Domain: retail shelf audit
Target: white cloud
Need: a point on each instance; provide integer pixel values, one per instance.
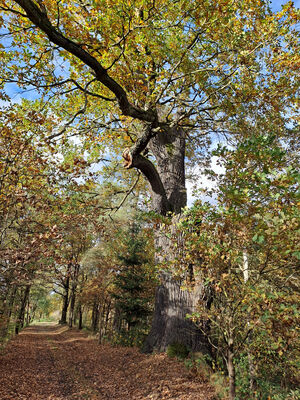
(201, 181)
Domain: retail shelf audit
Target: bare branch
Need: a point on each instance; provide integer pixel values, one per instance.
(130, 190)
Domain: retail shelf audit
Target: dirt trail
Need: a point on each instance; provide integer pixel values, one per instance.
(47, 362)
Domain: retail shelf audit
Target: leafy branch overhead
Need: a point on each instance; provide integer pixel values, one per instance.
(190, 64)
(177, 91)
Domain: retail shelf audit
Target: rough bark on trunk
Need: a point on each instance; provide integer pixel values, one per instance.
(172, 304)
(168, 147)
(170, 324)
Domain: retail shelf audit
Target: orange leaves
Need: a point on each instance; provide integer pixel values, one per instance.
(153, 50)
(80, 368)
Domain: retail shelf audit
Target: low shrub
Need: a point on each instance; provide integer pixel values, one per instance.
(178, 350)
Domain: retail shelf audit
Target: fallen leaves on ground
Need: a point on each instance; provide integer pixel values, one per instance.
(50, 362)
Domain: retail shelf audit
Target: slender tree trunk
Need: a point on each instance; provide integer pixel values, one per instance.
(108, 308)
(80, 317)
(33, 311)
(103, 319)
(95, 315)
(101, 322)
(117, 320)
(231, 373)
(252, 369)
(11, 302)
(63, 319)
(21, 314)
(73, 295)
(7, 310)
(28, 316)
(79, 305)
(72, 307)
(76, 313)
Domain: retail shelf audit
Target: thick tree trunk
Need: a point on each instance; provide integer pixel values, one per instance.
(168, 148)
(170, 324)
(172, 304)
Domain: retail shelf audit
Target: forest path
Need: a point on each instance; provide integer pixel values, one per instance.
(51, 362)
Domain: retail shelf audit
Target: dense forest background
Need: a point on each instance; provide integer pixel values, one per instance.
(190, 94)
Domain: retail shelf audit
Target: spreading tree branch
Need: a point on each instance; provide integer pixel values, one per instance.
(134, 159)
(40, 18)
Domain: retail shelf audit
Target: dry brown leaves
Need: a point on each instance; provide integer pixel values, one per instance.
(54, 363)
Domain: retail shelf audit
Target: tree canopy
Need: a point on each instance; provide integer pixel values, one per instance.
(162, 86)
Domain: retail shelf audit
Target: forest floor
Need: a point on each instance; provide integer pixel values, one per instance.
(51, 362)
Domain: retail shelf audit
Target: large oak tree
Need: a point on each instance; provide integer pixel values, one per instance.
(164, 78)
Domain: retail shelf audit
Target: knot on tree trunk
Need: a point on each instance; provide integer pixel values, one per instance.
(127, 158)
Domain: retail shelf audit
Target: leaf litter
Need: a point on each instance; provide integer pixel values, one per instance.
(51, 362)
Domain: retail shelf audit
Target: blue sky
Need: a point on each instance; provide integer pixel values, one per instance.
(276, 4)
(16, 94)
